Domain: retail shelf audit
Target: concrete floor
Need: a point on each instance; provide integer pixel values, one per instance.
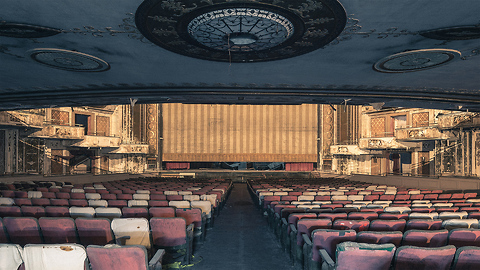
(241, 239)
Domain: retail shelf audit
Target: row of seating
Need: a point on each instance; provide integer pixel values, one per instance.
(353, 255)
(93, 220)
(172, 234)
(77, 257)
(302, 214)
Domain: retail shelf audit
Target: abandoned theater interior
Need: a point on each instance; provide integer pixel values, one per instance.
(240, 134)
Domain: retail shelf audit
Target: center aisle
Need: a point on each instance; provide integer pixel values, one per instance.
(241, 239)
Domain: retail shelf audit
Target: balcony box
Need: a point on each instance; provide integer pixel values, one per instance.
(347, 150)
(98, 141)
(381, 143)
(131, 149)
(60, 132)
(420, 134)
(457, 120)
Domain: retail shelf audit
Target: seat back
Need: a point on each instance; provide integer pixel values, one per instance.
(411, 257)
(307, 226)
(357, 225)
(379, 237)
(55, 257)
(10, 211)
(467, 258)
(191, 215)
(161, 211)
(134, 212)
(168, 232)
(10, 256)
(23, 230)
(352, 255)
(3, 233)
(425, 238)
(135, 230)
(464, 237)
(424, 224)
(94, 231)
(33, 211)
(114, 257)
(58, 230)
(328, 239)
(388, 225)
(108, 212)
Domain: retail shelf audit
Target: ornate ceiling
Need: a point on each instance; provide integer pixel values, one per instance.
(405, 53)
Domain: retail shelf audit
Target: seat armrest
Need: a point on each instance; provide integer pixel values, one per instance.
(306, 239)
(326, 259)
(293, 228)
(122, 240)
(284, 222)
(156, 262)
(190, 230)
(277, 215)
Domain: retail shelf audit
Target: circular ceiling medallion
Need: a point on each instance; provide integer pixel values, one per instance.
(222, 30)
(19, 30)
(68, 60)
(453, 33)
(415, 60)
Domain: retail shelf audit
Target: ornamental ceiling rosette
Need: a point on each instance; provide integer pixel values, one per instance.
(246, 31)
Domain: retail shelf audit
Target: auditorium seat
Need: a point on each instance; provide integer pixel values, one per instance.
(197, 218)
(23, 230)
(362, 215)
(33, 211)
(117, 203)
(424, 224)
(411, 257)
(356, 225)
(58, 230)
(57, 211)
(387, 225)
(55, 256)
(75, 212)
(464, 237)
(115, 257)
(10, 211)
(135, 212)
(304, 226)
(131, 231)
(333, 216)
(161, 211)
(108, 212)
(466, 258)
(5, 201)
(94, 231)
(380, 237)
(359, 256)
(450, 224)
(11, 256)
(425, 238)
(323, 239)
(173, 235)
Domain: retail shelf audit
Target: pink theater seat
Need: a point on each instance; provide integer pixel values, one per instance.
(58, 230)
(114, 257)
(173, 235)
(467, 258)
(23, 230)
(379, 237)
(411, 257)
(425, 238)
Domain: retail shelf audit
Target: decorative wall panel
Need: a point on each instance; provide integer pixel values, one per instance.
(378, 127)
(60, 117)
(103, 126)
(420, 119)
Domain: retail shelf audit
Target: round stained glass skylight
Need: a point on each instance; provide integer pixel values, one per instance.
(240, 29)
